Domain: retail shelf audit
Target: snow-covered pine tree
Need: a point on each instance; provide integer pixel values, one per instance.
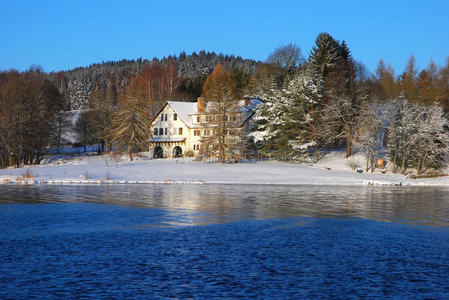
(284, 121)
(305, 89)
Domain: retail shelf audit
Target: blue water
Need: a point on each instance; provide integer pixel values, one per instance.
(223, 241)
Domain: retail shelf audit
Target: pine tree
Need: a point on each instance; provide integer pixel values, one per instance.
(324, 54)
(285, 119)
(345, 97)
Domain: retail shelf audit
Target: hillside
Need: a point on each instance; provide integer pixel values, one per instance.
(77, 84)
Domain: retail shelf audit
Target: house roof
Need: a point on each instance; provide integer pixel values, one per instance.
(184, 109)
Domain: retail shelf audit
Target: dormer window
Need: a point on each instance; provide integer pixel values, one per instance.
(175, 117)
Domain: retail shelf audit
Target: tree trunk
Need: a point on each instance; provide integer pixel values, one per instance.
(403, 165)
(130, 153)
(317, 154)
(395, 158)
(348, 144)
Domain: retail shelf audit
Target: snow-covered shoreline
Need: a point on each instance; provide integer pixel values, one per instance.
(333, 170)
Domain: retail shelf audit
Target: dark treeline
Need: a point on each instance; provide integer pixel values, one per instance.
(311, 103)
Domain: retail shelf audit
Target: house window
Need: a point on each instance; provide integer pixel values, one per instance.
(196, 132)
(165, 131)
(165, 117)
(196, 147)
(161, 131)
(155, 131)
(198, 119)
(175, 117)
(162, 117)
(180, 130)
(206, 132)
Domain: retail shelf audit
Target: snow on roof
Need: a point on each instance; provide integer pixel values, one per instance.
(249, 108)
(184, 109)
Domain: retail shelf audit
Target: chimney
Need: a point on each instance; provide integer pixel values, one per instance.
(201, 105)
(247, 101)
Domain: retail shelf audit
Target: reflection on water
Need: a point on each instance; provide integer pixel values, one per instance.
(209, 204)
(274, 242)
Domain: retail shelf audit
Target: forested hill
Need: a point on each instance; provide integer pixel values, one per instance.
(78, 84)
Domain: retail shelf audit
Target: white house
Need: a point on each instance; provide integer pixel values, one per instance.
(178, 128)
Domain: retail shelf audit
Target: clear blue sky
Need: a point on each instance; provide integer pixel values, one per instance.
(63, 34)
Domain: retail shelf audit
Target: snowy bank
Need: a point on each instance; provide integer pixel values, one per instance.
(333, 170)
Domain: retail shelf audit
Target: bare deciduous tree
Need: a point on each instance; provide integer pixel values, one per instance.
(288, 57)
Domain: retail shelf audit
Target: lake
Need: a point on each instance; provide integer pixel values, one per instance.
(206, 241)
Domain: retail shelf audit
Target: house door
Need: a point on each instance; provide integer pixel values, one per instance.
(158, 152)
(177, 152)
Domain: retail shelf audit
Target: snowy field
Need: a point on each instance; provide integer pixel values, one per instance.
(334, 169)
